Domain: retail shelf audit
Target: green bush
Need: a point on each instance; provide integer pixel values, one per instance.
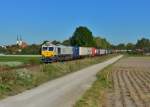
(4, 87)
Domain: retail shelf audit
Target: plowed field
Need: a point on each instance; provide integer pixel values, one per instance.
(131, 83)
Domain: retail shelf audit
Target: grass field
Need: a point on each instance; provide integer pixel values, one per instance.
(18, 60)
(17, 80)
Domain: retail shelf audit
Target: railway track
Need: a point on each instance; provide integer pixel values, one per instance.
(131, 84)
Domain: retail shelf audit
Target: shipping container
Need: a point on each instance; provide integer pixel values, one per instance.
(93, 51)
(102, 51)
(90, 51)
(76, 52)
(106, 51)
(85, 51)
(97, 52)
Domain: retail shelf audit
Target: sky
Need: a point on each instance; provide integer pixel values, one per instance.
(119, 21)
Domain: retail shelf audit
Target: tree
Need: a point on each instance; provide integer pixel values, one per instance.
(2, 50)
(82, 37)
(66, 42)
(55, 42)
(12, 49)
(113, 46)
(98, 42)
(130, 46)
(31, 49)
(101, 43)
(44, 42)
(143, 43)
(121, 46)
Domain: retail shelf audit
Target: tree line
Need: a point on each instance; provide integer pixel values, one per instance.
(142, 44)
(33, 49)
(82, 36)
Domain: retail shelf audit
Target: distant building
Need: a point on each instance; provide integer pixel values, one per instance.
(21, 43)
(3, 46)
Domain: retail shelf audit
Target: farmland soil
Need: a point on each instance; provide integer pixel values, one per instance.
(131, 83)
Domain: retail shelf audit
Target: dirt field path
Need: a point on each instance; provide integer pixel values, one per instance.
(61, 92)
(131, 83)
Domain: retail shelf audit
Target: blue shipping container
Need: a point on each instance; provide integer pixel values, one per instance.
(75, 52)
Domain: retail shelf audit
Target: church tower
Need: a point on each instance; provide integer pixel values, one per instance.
(20, 41)
(17, 40)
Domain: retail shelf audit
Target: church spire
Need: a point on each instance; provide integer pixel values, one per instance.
(17, 40)
(20, 41)
(20, 38)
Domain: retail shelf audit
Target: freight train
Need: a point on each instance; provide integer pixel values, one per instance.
(52, 53)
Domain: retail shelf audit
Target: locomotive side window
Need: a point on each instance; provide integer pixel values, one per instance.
(59, 51)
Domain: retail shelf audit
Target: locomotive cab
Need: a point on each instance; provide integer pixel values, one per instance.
(47, 51)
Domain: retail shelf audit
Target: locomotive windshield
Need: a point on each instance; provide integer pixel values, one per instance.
(47, 48)
(44, 48)
(50, 48)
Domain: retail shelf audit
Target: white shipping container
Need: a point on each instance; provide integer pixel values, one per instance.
(106, 51)
(89, 51)
(102, 51)
(97, 51)
(84, 51)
